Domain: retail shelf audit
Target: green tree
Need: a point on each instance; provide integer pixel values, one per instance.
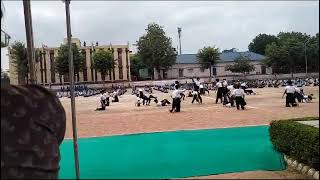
(207, 57)
(20, 61)
(103, 62)
(136, 64)
(288, 54)
(241, 65)
(155, 48)
(62, 60)
(260, 42)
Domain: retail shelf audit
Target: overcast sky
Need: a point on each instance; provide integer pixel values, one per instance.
(222, 23)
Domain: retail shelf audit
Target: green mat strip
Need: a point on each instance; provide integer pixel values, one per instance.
(173, 154)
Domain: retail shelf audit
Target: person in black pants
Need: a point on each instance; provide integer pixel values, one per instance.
(196, 87)
(239, 97)
(289, 91)
(176, 99)
(219, 92)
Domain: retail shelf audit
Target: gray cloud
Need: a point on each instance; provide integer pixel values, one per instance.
(224, 24)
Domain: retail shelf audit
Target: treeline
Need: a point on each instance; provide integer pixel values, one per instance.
(288, 52)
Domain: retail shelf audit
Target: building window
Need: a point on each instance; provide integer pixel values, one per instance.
(53, 75)
(214, 71)
(190, 70)
(263, 69)
(45, 67)
(180, 72)
(91, 68)
(84, 72)
(120, 72)
(202, 69)
(41, 66)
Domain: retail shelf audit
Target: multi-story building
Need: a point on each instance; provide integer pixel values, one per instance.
(46, 72)
(187, 66)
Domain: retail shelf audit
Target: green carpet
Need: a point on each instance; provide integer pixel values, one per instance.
(173, 154)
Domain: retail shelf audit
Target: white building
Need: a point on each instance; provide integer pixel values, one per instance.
(187, 66)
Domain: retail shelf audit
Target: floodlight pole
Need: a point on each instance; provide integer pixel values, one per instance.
(71, 77)
(179, 33)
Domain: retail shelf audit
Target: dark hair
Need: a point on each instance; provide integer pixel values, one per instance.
(217, 80)
(177, 86)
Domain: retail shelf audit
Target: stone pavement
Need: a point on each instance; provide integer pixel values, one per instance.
(310, 123)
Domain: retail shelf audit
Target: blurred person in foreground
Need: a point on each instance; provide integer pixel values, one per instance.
(33, 124)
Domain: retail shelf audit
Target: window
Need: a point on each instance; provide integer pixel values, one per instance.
(202, 69)
(263, 69)
(180, 72)
(53, 75)
(190, 70)
(214, 71)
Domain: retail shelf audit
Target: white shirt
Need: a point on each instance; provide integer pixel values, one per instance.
(219, 84)
(225, 83)
(201, 86)
(238, 92)
(176, 93)
(194, 93)
(243, 84)
(297, 89)
(103, 97)
(197, 82)
(290, 89)
(231, 88)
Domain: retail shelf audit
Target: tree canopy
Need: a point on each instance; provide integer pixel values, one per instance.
(62, 60)
(287, 55)
(207, 57)
(155, 48)
(20, 61)
(136, 64)
(241, 65)
(259, 43)
(103, 62)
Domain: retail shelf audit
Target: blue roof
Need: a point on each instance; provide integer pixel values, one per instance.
(224, 57)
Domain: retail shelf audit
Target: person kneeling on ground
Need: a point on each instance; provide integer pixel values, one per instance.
(239, 94)
(176, 99)
(104, 101)
(115, 97)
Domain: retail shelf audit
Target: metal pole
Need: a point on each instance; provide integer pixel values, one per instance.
(71, 77)
(179, 33)
(306, 58)
(29, 36)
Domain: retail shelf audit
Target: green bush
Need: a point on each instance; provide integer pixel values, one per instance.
(296, 140)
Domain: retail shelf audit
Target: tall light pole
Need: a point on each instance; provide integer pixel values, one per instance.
(29, 35)
(71, 75)
(179, 33)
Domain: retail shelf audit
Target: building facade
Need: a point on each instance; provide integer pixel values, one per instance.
(187, 66)
(46, 73)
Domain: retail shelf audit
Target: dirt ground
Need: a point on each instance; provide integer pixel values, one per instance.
(125, 118)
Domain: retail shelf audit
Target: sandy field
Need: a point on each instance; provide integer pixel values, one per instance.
(125, 118)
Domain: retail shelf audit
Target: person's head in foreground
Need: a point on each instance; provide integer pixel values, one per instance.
(33, 124)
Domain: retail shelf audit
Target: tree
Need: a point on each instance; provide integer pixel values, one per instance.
(19, 59)
(62, 60)
(103, 62)
(207, 57)
(260, 42)
(136, 64)
(288, 54)
(241, 65)
(155, 48)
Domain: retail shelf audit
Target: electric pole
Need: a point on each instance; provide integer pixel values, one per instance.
(179, 33)
(30, 43)
(71, 75)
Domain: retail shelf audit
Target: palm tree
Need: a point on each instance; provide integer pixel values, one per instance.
(207, 57)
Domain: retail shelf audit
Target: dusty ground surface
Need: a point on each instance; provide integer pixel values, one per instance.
(124, 118)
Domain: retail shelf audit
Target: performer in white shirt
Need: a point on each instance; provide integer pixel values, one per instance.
(176, 98)
(196, 87)
(289, 91)
(239, 94)
(219, 92)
